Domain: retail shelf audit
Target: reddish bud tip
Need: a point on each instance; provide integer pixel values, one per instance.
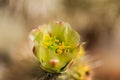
(54, 62)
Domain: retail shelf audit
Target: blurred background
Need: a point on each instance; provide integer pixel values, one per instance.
(97, 21)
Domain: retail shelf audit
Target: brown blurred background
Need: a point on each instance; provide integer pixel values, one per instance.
(97, 21)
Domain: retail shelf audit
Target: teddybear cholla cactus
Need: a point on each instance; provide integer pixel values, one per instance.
(56, 44)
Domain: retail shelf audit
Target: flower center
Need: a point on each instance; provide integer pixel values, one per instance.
(55, 44)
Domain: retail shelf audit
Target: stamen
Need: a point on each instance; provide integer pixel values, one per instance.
(64, 50)
(59, 51)
(59, 47)
(57, 41)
